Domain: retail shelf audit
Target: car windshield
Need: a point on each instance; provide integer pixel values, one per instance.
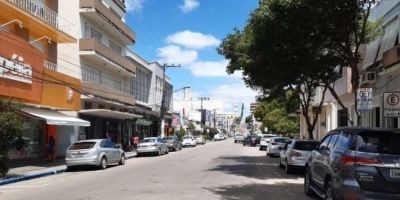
(82, 145)
(148, 140)
(187, 137)
(306, 145)
(378, 142)
(167, 138)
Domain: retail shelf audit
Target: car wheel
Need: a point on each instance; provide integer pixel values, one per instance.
(122, 161)
(167, 151)
(268, 155)
(329, 195)
(288, 168)
(103, 163)
(307, 183)
(159, 152)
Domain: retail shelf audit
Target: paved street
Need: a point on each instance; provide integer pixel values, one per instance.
(217, 170)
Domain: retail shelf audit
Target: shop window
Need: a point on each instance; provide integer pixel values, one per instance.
(377, 117)
(101, 106)
(87, 105)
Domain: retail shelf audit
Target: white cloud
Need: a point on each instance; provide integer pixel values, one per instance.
(233, 95)
(193, 40)
(134, 5)
(211, 69)
(189, 5)
(173, 54)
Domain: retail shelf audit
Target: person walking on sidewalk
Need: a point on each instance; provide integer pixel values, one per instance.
(50, 148)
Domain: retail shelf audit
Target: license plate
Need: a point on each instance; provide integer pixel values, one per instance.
(395, 173)
(78, 155)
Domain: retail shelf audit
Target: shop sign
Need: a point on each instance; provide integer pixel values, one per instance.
(15, 69)
(364, 100)
(70, 94)
(391, 104)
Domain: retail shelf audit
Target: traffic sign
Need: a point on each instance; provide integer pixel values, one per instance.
(364, 100)
(391, 104)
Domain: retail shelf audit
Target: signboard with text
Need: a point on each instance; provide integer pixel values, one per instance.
(391, 104)
(364, 100)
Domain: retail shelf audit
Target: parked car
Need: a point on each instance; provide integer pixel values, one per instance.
(251, 140)
(152, 145)
(200, 139)
(273, 147)
(99, 152)
(265, 140)
(217, 137)
(238, 137)
(188, 140)
(355, 163)
(295, 154)
(173, 143)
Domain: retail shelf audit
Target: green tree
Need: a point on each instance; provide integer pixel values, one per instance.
(249, 119)
(10, 127)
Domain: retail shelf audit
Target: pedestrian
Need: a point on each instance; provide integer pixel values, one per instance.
(136, 141)
(20, 145)
(50, 148)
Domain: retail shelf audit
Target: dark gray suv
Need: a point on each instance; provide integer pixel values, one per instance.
(355, 163)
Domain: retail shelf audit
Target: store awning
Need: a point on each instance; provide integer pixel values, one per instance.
(104, 113)
(53, 117)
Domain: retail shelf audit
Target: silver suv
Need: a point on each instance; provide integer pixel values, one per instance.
(355, 163)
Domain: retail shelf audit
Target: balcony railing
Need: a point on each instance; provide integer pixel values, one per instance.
(89, 44)
(49, 65)
(109, 16)
(45, 14)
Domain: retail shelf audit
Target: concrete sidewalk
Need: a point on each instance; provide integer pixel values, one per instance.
(30, 169)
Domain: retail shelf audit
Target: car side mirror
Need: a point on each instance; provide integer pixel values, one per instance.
(117, 146)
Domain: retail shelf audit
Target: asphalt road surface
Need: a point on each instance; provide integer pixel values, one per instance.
(216, 170)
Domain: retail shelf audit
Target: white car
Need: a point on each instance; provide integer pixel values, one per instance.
(265, 139)
(188, 140)
(276, 144)
(295, 155)
(238, 137)
(217, 137)
(200, 139)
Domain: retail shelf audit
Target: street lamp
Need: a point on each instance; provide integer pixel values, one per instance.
(184, 88)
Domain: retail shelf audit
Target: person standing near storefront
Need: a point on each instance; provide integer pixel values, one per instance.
(50, 148)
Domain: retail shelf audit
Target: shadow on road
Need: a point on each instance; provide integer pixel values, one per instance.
(258, 167)
(281, 191)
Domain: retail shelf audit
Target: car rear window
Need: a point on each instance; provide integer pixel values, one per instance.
(148, 140)
(379, 142)
(306, 145)
(82, 145)
(281, 140)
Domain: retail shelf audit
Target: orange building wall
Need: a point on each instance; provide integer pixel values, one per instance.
(25, 92)
(55, 95)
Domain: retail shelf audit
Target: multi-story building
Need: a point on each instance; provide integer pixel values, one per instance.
(31, 72)
(379, 71)
(99, 60)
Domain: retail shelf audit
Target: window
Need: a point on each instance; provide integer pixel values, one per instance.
(305, 145)
(332, 141)
(324, 144)
(95, 34)
(82, 145)
(377, 117)
(343, 141)
(115, 47)
(90, 75)
(378, 142)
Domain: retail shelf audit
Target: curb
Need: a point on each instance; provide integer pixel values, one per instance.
(49, 172)
(31, 176)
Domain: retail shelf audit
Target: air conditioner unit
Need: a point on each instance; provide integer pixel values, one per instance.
(368, 77)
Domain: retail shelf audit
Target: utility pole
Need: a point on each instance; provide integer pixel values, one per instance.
(163, 106)
(201, 101)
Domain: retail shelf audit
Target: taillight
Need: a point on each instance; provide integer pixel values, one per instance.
(351, 160)
(295, 154)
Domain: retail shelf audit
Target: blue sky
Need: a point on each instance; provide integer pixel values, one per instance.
(187, 32)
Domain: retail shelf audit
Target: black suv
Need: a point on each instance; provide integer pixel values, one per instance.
(355, 163)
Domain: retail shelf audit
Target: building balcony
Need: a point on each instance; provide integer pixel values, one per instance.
(391, 57)
(38, 19)
(108, 93)
(99, 14)
(102, 55)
